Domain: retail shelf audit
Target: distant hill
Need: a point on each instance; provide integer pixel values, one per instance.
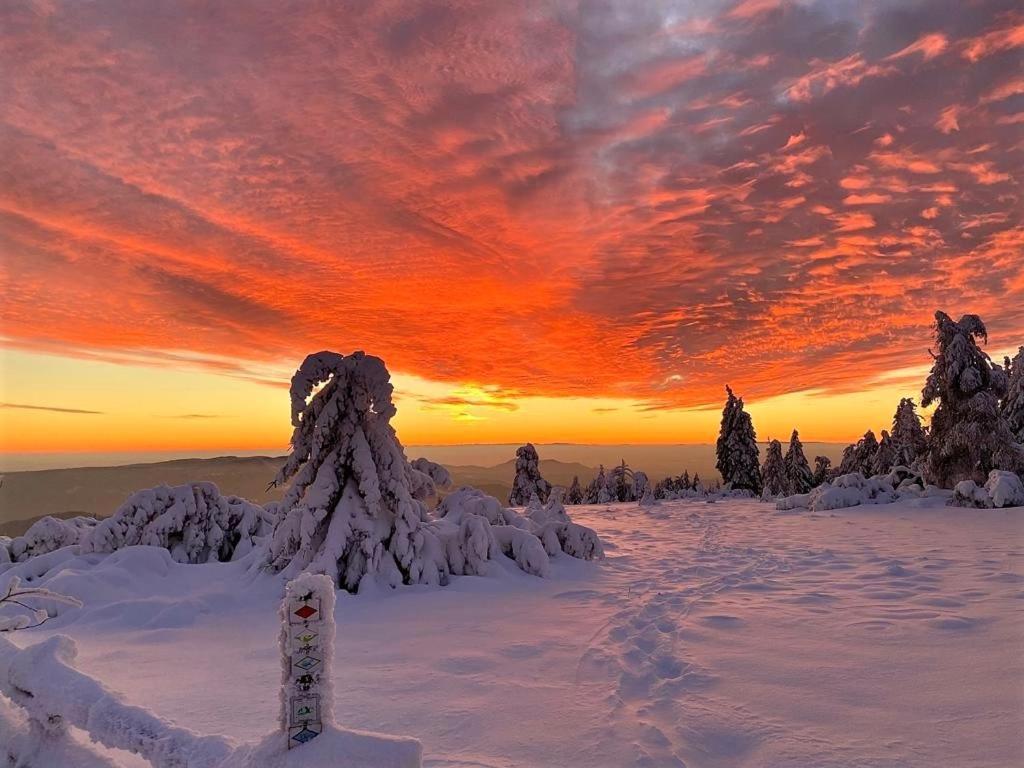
(497, 481)
(98, 491)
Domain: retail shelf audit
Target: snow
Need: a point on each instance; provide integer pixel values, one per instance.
(711, 636)
(1002, 489)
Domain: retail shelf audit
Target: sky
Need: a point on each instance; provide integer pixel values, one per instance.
(554, 221)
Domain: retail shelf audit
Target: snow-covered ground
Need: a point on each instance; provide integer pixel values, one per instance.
(726, 634)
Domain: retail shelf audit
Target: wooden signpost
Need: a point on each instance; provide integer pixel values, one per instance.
(307, 640)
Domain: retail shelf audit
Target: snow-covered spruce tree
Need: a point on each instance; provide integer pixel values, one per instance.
(1012, 405)
(350, 511)
(354, 509)
(698, 485)
(528, 480)
(860, 456)
(620, 483)
(908, 436)
(574, 495)
(194, 522)
(969, 435)
(822, 470)
(886, 457)
(773, 473)
(799, 478)
(597, 490)
(641, 484)
(736, 449)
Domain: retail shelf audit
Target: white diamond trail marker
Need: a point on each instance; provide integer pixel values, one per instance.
(307, 652)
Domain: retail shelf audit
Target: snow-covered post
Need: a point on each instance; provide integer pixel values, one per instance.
(307, 651)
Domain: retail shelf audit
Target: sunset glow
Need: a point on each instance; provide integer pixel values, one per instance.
(553, 221)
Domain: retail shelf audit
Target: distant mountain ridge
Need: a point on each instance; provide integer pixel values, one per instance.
(98, 491)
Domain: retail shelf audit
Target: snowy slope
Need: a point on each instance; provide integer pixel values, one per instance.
(723, 634)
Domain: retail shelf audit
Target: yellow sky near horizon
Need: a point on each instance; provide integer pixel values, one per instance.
(53, 403)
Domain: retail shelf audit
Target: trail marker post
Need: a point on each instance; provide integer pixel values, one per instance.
(307, 649)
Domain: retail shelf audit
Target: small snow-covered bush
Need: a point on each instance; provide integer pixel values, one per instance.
(545, 529)
(45, 535)
(1002, 489)
(428, 477)
(194, 522)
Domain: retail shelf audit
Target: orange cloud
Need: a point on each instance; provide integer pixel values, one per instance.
(558, 202)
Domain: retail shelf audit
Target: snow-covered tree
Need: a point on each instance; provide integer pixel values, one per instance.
(575, 494)
(908, 436)
(698, 485)
(598, 491)
(969, 435)
(773, 473)
(799, 478)
(528, 480)
(1012, 405)
(350, 511)
(860, 456)
(822, 470)
(736, 449)
(620, 482)
(683, 482)
(886, 457)
(428, 477)
(194, 522)
(354, 511)
(46, 535)
(641, 484)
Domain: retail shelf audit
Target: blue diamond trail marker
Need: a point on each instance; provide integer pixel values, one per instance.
(307, 633)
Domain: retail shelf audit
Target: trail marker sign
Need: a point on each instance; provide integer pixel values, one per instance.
(307, 640)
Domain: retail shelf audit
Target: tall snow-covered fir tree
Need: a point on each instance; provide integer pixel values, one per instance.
(799, 478)
(355, 508)
(350, 511)
(736, 450)
(822, 470)
(908, 436)
(528, 481)
(773, 472)
(1012, 405)
(886, 457)
(969, 434)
